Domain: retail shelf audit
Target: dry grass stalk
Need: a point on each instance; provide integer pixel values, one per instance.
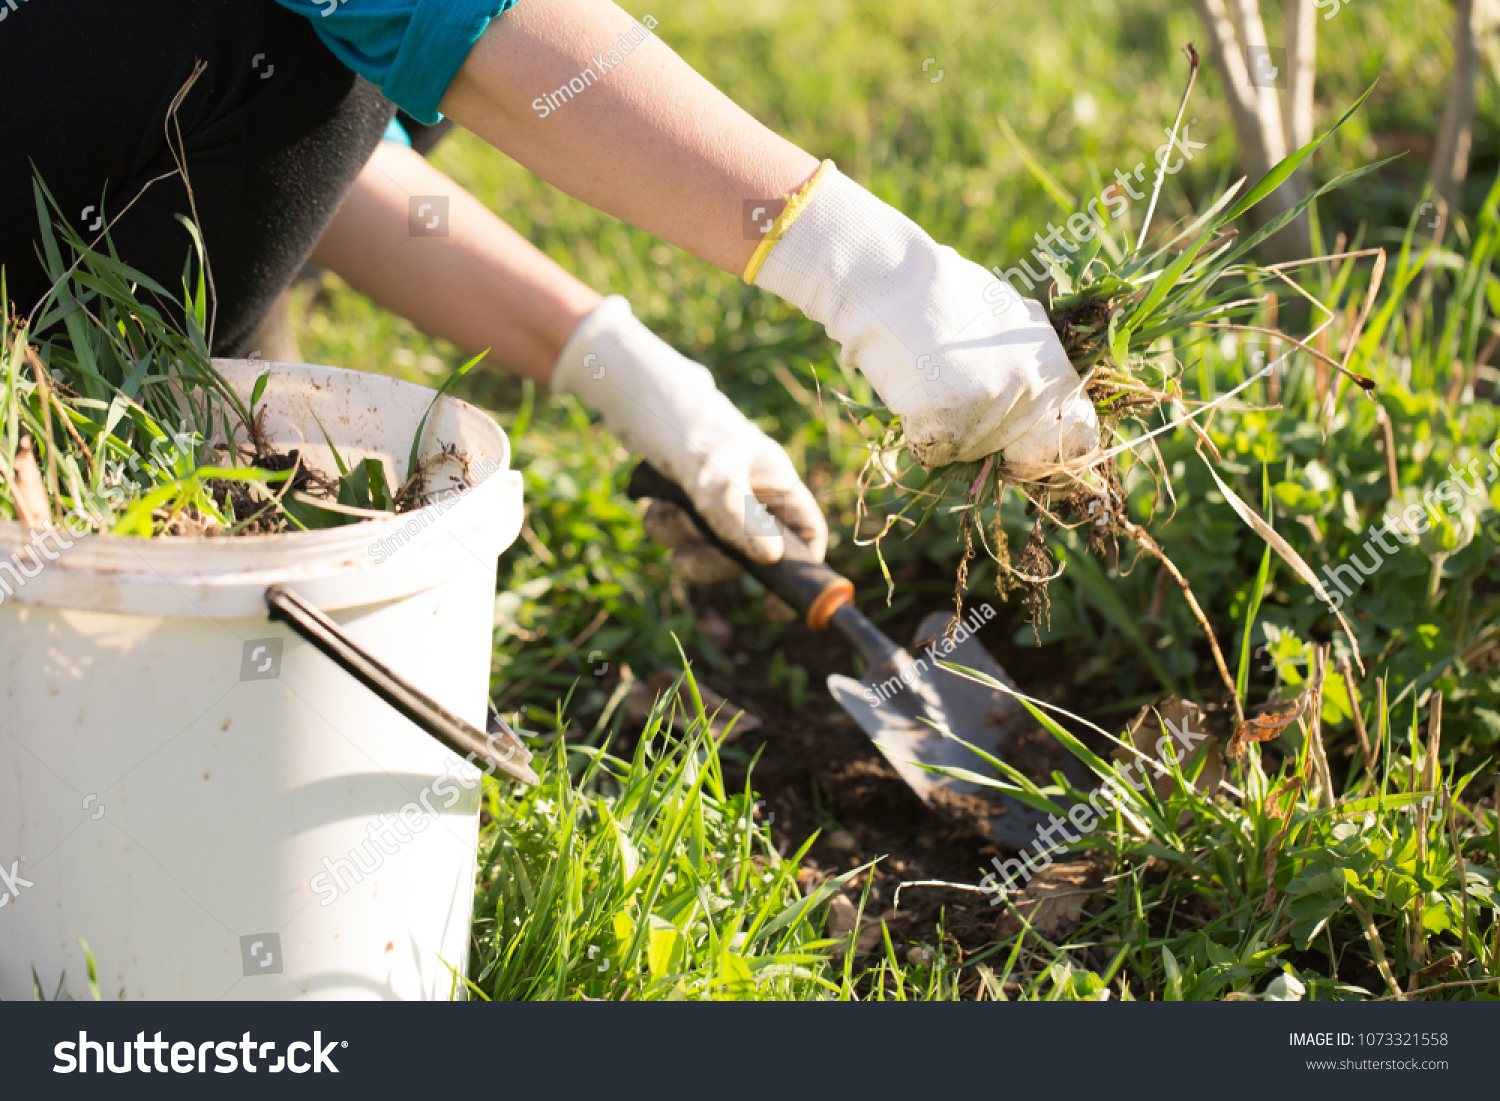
(1347, 673)
(1426, 781)
(1313, 725)
(1377, 949)
(1463, 870)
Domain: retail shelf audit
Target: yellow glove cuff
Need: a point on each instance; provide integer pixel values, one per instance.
(796, 203)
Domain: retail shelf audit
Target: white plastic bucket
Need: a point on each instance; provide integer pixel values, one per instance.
(215, 820)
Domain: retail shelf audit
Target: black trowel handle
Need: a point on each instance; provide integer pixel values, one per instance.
(814, 590)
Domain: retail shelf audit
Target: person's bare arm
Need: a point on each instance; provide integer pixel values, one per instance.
(649, 141)
(481, 286)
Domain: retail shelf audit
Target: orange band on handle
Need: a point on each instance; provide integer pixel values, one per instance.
(838, 593)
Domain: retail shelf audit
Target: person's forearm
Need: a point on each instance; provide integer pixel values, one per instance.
(481, 286)
(649, 141)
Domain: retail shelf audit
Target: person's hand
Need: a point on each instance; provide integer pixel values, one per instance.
(666, 408)
(970, 367)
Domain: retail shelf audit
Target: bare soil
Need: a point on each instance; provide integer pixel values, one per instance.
(818, 771)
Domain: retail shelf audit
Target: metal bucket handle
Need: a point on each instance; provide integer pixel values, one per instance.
(498, 748)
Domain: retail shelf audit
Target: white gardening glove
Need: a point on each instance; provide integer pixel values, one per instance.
(970, 367)
(666, 408)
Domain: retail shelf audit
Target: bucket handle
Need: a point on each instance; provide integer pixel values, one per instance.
(499, 748)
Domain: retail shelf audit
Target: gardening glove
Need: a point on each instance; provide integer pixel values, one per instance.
(969, 366)
(666, 408)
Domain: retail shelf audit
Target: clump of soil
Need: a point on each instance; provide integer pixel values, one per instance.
(252, 514)
(250, 508)
(254, 508)
(1082, 326)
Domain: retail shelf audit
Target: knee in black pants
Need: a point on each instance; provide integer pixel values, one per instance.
(275, 131)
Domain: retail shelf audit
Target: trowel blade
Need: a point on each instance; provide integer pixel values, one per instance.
(985, 717)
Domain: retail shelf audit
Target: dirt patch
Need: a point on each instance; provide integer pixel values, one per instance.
(818, 771)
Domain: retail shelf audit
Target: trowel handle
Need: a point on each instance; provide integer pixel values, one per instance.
(498, 748)
(814, 590)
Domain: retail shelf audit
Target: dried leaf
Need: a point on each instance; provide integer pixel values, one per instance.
(1054, 899)
(1169, 720)
(1269, 724)
(842, 913)
(1283, 797)
(29, 495)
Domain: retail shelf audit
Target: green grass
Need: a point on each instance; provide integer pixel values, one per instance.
(1195, 912)
(105, 420)
(1383, 875)
(647, 877)
(640, 878)
(114, 418)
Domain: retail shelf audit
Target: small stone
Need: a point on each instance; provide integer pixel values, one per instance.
(918, 956)
(842, 915)
(844, 841)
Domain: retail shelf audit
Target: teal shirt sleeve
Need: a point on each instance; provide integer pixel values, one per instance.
(412, 49)
(396, 133)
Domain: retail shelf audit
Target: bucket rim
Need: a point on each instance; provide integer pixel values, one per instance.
(14, 535)
(195, 576)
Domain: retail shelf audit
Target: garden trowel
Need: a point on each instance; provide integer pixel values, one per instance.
(916, 712)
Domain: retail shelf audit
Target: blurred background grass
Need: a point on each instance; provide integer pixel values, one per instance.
(1088, 86)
